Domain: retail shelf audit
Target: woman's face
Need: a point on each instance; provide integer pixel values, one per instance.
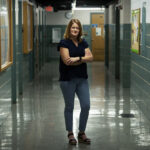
(74, 30)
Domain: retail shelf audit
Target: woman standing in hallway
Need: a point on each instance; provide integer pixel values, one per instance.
(74, 54)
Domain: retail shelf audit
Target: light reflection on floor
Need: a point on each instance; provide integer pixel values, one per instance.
(37, 121)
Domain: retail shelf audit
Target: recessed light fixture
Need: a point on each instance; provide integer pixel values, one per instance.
(89, 8)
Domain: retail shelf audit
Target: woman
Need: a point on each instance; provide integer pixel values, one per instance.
(74, 54)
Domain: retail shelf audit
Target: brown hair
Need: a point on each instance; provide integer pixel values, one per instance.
(67, 32)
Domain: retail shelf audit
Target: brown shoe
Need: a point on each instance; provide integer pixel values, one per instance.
(83, 139)
(72, 141)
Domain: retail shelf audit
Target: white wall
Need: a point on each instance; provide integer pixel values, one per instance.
(40, 14)
(16, 10)
(58, 18)
(111, 14)
(135, 4)
(125, 12)
(106, 21)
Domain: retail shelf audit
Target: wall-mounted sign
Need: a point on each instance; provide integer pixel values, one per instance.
(98, 31)
(94, 25)
(49, 9)
(56, 35)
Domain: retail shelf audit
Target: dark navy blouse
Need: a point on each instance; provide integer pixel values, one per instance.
(69, 72)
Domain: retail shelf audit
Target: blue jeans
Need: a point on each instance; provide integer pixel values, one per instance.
(81, 88)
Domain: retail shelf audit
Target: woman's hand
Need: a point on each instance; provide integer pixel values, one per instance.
(72, 60)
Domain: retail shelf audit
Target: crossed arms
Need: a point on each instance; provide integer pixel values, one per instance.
(71, 61)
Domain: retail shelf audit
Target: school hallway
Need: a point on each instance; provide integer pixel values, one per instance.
(36, 122)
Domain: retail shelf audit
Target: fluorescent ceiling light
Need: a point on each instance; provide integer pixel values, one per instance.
(83, 8)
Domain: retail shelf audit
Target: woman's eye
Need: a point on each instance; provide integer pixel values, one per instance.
(75, 28)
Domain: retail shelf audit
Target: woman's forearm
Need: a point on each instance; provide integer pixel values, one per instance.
(87, 58)
(81, 60)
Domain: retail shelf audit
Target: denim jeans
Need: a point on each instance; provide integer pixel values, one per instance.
(81, 88)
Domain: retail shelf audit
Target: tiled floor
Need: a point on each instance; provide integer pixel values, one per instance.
(37, 122)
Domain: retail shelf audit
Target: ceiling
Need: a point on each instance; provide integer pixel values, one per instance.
(67, 4)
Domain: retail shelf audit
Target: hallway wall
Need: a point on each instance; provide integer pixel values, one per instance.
(140, 64)
(25, 61)
(124, 43)
(134, 68)
(58, 18)
(110, 30)
(5, 85)
(112, 37)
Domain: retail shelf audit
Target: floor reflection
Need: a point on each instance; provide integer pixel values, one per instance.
(36, 122)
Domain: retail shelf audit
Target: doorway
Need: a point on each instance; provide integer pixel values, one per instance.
(98, 39)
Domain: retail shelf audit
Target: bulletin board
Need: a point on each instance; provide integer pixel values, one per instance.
(27, 27)
(6, 34)
(135, 34)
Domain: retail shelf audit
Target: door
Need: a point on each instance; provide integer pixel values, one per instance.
(98, 46)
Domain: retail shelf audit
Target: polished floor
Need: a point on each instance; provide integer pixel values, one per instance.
(37, 121)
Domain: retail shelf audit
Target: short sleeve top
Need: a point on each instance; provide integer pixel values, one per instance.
(69, 72)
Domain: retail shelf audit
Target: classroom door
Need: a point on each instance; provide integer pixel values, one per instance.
(98, 46)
